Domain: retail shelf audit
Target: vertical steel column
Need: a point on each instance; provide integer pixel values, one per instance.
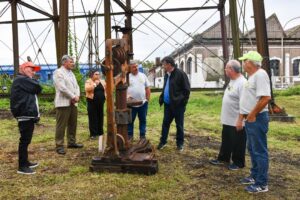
(111, 129)
(63, 27)
(224, 37)
(90, 39)
(15, 35)
(96, 36)
(262, 38)
(235, 33)
(56, 32)
(129, 24)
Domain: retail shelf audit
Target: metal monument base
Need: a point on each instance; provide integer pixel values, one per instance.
(140, 159)
(282, 118)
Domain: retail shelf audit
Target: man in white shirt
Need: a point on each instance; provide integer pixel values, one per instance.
(138, 90)
(254, 110)
(233, 142)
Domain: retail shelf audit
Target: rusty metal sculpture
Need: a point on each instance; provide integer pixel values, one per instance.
(120, 154)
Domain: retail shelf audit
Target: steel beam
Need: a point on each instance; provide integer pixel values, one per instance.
(34, 8)
(235, 32)
(262, 38)
(124, 7)
(56, 32)
(224, 37)
(128, 24)
(15, 35)
(123, 13)
(63, 27)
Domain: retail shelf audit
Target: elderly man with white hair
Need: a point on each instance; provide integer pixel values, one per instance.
(233, 141)
(66, 101)
(254, 111)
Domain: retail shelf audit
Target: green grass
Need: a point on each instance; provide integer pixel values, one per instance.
(184, 175)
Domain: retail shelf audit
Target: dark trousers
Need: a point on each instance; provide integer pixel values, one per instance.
(95, 115)
(169, 115)
(66, 117)
(26, 130)
(233, 145)
(142, 114)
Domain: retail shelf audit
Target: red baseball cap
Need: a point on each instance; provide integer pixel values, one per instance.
(30, 64)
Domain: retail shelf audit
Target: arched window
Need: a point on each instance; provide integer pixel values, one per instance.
(181, 65)
(274, 66)
(296, 66)
(189, 65)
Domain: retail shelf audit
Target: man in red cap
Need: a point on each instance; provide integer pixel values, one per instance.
(24, 107)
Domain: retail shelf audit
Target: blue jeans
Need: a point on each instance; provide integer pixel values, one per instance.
(142, 114)
(169, 115)
(258, 149)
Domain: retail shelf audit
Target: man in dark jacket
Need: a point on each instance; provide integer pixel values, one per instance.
(24, 107)
(175, 95)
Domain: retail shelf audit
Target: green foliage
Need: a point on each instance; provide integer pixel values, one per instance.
(185, 175)
(288, 92)
(5, 83)
(148, 64)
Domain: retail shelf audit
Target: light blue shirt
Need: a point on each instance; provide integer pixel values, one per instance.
(167, 91)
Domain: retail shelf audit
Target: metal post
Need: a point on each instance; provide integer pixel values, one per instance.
(129, 24)
(262, 38)
(55, 21)
(111, 129)
(90, 40)
(63, 27)
(235, 33)
(15, 35)
(224, 37)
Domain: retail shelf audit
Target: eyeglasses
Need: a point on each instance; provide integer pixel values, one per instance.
(96, 74)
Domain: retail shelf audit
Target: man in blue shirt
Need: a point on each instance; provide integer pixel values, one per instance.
(175, 95)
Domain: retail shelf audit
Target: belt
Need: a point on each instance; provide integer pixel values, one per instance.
(245, 116)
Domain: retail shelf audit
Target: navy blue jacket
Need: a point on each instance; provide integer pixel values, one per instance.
(23, 102)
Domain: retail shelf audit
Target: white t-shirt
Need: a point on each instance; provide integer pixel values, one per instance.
(258, 85)
(137, 86)
(231, 99)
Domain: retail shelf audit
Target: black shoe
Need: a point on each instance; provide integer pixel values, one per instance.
(60, 151)
(25, 170)
(180, 147)
(160, 146)
(75, 146)
(32, 165)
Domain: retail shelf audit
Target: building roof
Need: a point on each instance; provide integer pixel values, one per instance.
(293, 32)
(213, 33)
(274, 28)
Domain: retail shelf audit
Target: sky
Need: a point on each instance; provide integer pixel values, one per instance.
(148, 38)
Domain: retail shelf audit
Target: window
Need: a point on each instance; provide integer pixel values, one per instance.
(274, 66)
(189, 65)
(181, 65)
(296, 66)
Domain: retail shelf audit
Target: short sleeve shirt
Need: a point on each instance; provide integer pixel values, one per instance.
(230, 102)
(258, 85)
(137, 85)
